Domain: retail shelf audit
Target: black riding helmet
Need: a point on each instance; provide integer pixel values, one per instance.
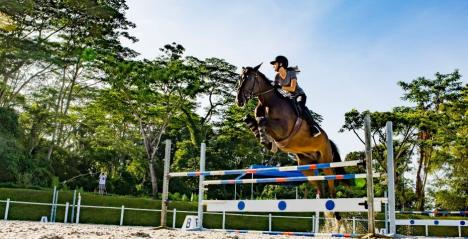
(283, 61)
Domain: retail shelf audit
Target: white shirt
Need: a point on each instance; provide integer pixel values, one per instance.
(102, 179)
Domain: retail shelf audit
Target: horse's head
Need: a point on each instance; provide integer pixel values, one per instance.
(249, 84)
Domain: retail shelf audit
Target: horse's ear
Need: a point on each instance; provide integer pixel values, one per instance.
(258, 67)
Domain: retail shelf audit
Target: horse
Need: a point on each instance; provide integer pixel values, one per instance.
(287, 130)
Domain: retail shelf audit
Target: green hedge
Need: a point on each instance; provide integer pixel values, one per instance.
(144, 218)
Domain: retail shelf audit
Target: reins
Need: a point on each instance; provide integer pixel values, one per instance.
(252, 94)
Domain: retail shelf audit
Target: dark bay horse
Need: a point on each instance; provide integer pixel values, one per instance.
(288, 131)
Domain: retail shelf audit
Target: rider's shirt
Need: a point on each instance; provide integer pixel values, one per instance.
(290, 75)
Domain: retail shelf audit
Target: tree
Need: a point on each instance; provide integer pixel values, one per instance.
(153, 93)
(404, 131)
(452, 155)
(217, 85)
(429, 96)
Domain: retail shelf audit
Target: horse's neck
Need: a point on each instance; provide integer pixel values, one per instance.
(268, 97)
(278, 108)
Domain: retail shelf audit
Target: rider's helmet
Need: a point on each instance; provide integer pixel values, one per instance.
(283, 61)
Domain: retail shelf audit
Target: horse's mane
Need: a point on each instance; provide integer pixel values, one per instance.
(261, 74)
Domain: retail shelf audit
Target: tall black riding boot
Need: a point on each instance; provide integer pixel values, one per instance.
(313, 126)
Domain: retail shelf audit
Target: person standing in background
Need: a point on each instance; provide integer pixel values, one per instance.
(102, 183)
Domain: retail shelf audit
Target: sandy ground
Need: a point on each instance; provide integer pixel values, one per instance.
(37, 230)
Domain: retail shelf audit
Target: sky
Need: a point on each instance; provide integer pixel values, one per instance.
(351, 53)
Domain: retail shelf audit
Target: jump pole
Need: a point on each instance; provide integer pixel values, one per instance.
(201, 185)
(390, 180)
(370, 184)
(165, 192)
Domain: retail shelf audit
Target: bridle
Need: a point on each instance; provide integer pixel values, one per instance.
(256, 94)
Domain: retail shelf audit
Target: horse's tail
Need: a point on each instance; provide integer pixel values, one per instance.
(336, 158)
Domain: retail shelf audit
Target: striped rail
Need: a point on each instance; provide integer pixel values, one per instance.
(270, 169)
(304, 234)
(436, 212)
(288, 179)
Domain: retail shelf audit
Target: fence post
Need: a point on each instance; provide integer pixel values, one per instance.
(78, 209)
(459, 230)
(73, 206)
(390, 179)
(165, 193)
(201, 187)
(354, 225)
(224, 220)
(269, 222)
(7, 207)
(317, 217)
(55, 205)
(427, 230)
(53, 202)
(174, 215)
(122, 211)
(370, 183)
(66, 212)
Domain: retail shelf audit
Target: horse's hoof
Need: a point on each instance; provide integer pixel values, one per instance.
(273, 148)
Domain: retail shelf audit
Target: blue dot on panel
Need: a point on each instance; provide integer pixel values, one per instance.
(411, 222)
(282, 205)
(241, 205)
(462, 223)
(436, 222)
(330, 205)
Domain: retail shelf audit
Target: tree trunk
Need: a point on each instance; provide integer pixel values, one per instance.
(419, 185)
(56, 112)
(154, 179)
(423, 136)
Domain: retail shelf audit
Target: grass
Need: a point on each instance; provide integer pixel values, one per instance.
(152, 218)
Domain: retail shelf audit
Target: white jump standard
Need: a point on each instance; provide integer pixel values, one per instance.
(368, 204)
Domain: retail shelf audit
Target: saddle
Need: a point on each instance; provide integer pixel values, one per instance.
(302, 112)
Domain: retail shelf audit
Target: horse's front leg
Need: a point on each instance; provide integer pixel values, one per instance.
(262, 121)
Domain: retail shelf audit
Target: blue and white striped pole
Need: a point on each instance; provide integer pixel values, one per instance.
(269, 169)
(286, 180)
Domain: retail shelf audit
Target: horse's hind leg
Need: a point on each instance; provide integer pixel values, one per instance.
(303, 159)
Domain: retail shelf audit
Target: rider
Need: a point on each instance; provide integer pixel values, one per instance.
(286, 80)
